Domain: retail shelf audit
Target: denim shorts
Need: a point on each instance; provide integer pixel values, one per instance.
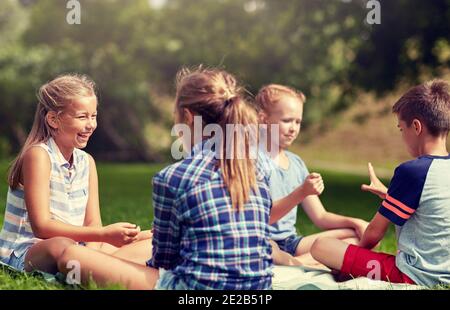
(169, 281)
(17, 261)
(289, 244)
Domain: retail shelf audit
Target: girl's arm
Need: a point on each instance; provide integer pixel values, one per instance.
(166, 224)
(374, 232)
(93, 217)
(36, 179)
(327, 220)
(313, 185)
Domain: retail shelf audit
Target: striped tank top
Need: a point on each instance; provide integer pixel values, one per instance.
(68, 200)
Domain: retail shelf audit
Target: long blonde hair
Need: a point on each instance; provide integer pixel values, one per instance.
(215, 95)
(52, 96)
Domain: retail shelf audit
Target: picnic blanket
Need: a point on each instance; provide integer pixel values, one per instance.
(305, 278)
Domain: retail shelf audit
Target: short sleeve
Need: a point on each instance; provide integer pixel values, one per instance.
(304, 172)
(263, 165)
(405, 190)
(166, 225)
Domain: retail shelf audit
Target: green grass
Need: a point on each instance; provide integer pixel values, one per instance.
(125, 195)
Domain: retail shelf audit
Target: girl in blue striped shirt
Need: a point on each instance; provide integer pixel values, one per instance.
(52, 201)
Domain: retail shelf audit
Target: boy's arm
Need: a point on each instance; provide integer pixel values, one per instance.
(327, 220)
(375, 231)
(376, 186)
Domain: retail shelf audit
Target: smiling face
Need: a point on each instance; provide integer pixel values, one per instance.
(76, 124)
(287, 113)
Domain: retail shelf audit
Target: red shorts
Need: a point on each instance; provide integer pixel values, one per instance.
(361, 262)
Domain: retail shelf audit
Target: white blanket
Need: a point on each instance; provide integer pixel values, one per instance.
(304, 278)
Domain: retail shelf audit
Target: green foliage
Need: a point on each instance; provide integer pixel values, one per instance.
(413, 35)
(12, 17)
(306, 44)
(52, 47)
(324, 48)
(22, 71)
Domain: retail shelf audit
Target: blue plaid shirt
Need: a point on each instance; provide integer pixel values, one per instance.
(199, 237)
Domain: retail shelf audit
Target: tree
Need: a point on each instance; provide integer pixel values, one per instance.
(412, 35)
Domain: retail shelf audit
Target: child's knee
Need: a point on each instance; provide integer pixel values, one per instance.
(59, 244)
(274, 245)
(319, 247)
(67, 254)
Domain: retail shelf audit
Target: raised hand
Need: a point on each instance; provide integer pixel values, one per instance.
(375, 187)
(119, 234)
(313, 184)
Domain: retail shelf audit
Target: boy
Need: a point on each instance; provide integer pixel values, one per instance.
(417, 201)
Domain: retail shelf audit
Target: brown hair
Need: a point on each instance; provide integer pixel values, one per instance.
(271, 94)
(52, 96)
(429, 103)
(215, 95)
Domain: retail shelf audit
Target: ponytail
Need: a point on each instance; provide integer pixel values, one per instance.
(237, 167)
(215, 96)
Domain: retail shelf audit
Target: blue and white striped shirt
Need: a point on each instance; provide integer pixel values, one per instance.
(199, 237)
(68, 200)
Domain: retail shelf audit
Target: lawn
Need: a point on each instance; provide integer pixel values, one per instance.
(125, 195)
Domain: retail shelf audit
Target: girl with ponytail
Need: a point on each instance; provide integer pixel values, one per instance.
(212, 209)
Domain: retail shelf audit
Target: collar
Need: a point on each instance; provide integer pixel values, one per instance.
(60, 160)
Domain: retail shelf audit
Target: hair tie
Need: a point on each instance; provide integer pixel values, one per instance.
(229, 101)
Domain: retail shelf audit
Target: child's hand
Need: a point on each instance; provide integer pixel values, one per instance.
(313, 184)
(375, 187)
(360, 227)
(120, 234)
(144, 235)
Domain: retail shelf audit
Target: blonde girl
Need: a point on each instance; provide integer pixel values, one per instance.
(52, 200)
(282, 106)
